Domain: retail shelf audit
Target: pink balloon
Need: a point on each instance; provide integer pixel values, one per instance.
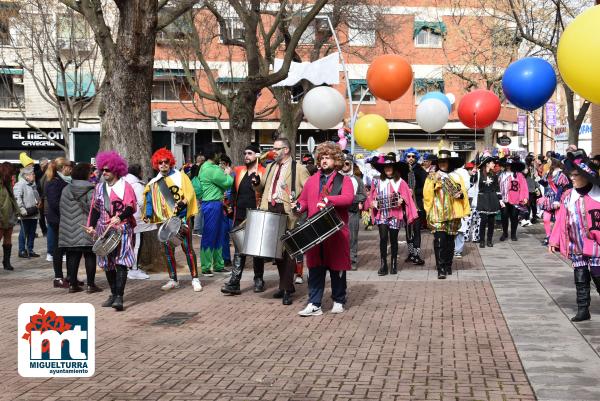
(343, 143)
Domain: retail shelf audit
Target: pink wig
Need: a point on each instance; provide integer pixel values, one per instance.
(112, 161)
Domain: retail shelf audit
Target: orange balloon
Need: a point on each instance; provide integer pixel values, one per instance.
(389, 77)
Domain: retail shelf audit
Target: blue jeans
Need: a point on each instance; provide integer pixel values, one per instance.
(199, 221)
(27, 232)
(50, 239)
(316, 285)
(459, 243)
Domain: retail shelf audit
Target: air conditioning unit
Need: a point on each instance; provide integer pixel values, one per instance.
(159, 118)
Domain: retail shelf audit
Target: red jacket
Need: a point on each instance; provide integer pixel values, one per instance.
(336, 249)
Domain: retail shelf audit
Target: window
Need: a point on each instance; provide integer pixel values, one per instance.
(72, 32)
(228, 85)
(12, 93)
(429, 34)
(296, 92)
(174, 89)
(363, 37)
(177, 30)
(315, 29)
(235, 29)
(358, 87)
(8, 12)
(422, 86)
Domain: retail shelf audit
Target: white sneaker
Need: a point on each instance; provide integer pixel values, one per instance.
(337, 307)
(49, 258)
(525, 223)
(209, 274)
(311, 310)
(196, 284)
(458, 255)
(137, 274)
(298, 280)
(64, 258)
(170, 285)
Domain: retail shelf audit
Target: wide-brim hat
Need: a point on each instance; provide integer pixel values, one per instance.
(454, 162)
(515, 164)
(486, 159)
(579, 161)
(379, 164)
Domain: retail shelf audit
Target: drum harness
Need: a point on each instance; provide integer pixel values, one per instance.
(336, 189)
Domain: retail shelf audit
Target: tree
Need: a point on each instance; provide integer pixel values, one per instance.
(541, 24)
(255, 33)
(53, 45)
(486, 44)
(128, 61)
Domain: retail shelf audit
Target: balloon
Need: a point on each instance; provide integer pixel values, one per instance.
(479, 109)
(579, 55)
(371, 131)
(324, 107)
(343, 143)
(439, 96)
(389, 77)
(432, 115)
(451, 97)
(529, 83)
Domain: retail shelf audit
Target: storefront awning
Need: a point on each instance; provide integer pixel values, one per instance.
(83, 87)
(435, 26)
(11, 71)
(230, 80)
(164, 73)
(428, 85)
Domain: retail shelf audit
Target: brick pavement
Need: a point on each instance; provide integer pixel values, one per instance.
(414, 339)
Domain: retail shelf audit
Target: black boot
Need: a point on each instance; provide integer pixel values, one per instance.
(233, 286)
(437, 250)
(120, 288)
(287, 298)
(111, 277)
(597, 283)
(383, 270)
(482, 244)
(490, 244)
(582, 285)
(448, 269)
(259, 284)
(417, 257)
(6, 258)
(394, 264)
(503, 237)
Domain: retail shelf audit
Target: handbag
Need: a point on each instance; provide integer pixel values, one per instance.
(31, 211)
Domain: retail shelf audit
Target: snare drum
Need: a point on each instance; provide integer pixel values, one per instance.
(107, 242)
(312, 232)
(173, 232)
(263, 233)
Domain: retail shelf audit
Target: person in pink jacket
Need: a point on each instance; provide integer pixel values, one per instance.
(515, 195)
(576, 232)
(392, 207)
(327, 187)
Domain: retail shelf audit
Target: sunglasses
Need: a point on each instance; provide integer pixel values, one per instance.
(163, 162)
(105, 170)
(411, 156)
(347, 163)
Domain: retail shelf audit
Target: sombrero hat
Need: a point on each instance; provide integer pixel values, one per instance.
(454, 162)
(389, 160)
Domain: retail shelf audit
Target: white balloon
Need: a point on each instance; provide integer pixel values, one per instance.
(432, 115)
(451, 97)
(324, 107)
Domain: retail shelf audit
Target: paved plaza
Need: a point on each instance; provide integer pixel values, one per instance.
(497, 329)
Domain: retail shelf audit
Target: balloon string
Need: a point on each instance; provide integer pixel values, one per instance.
(392, 131)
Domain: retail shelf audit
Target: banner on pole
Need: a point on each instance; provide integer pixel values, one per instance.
(521, 124)
(551, 114)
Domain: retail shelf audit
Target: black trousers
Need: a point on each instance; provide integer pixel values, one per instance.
(74, 257)
(57, 255)
(257, 263)
(285, 265)
(386, 232)
(443, 248)
(413, 232)
(487, 220)
(510, 212)
(533, 205)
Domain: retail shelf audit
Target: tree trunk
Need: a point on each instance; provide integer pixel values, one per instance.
(241, 116)
(488, 137)
(290, 116)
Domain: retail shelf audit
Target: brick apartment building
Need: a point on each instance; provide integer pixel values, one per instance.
(425, 33)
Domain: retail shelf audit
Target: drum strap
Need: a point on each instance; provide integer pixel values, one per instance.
(106, 199)
(166, 193)
(336, 187)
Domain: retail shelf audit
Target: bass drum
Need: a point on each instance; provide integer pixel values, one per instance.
(263, 233)
(312, 232)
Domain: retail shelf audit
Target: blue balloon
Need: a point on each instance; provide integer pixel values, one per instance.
(529, 83)
(439, 96)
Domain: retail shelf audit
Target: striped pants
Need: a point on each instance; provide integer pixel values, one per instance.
(211, 249)
(188, 251)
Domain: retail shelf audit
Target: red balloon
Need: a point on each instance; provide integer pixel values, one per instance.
(479, 109)
(389, 77)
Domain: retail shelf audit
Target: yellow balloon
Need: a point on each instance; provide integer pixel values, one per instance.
(579, 55)
(371, 131)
